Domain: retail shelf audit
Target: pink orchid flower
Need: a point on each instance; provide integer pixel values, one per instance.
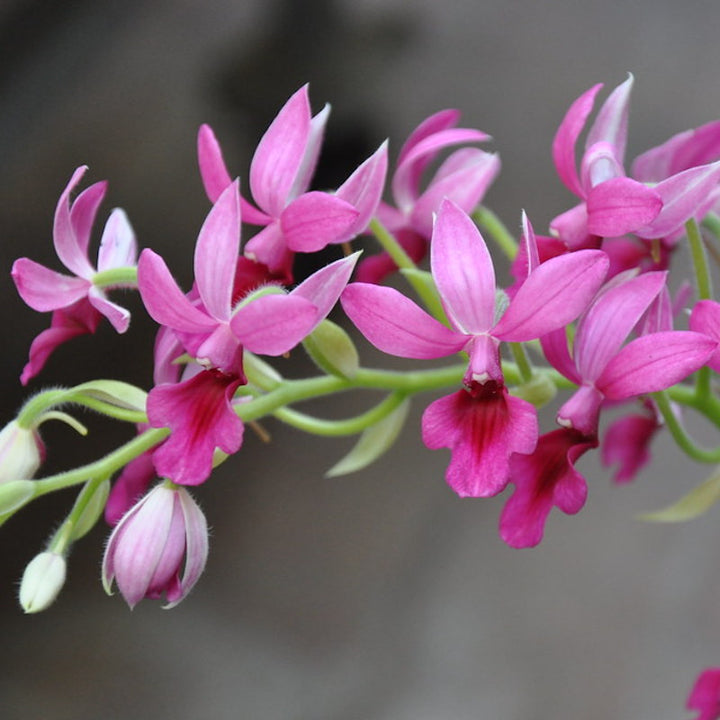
(463, 177)
(294, 219)
(614, 204)
(214, 330)
(604, 369)
(77, 302)
(484, 425)
(705, 318)
(163, 535)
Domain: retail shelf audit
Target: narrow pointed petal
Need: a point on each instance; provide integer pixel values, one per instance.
(612, 120)
(532, 259)
(213, 170)
(463, 178)
(407, 176)
(67, 247)
(396, 325)
(621, 206)
(164, 300)
(606, 325)
(441, 120)
(312, 153)
(279, 155)
(118, 316)
(482, 434)
(555, 349)
(216, 253)
(317, 219)
(83, 212)
(273, 324)
(117, 245)
(463, 270)
(364, 188)
(655, 362)
(324, 287)
(682, 195)
(44, 289)
(563, 148)
(554, 294)
(705, 318)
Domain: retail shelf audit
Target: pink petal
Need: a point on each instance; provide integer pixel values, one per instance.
(118, 316)
(600, 164)
(655, 362)
(324, 287)
(555, 349)
(482, 433)
(67, 246)
(612, 119)
(269, 248)
(117, 245)
(609, 321)
(130, 486)
(164, 300)
(563, 148)
(626, 444)
(364, 188)
(571, 227)
(312, 152)
(273, 324)
(554, 294)
(682, 196)
(705, 695)
(213, 170)
(441, 120)
(396, 325)
(44, 289)
(463, 270)
(463, 178)
(220, 349)
(279, 155)
(315, 220)
(620, 206)
(705, 318)
(216, 253)
(201, 418)
(83, 212)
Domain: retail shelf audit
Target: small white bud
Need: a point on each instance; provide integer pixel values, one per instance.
(42, 581)
(21, 452)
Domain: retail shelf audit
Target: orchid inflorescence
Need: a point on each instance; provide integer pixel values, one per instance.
(589, 313)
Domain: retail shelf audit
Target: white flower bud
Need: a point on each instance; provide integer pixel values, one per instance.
(42, 581)
(21, 452)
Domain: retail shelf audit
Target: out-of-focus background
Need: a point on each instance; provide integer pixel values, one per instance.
(379, 595)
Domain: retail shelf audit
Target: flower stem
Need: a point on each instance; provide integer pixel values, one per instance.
(487, 220)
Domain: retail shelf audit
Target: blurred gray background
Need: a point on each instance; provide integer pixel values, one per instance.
(379, 595)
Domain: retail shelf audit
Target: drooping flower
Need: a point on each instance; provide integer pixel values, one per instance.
(483, 425)
(78, 301)
(544, 479)
(293, 218)
(159, 547)
(705, 695)
(463, 177)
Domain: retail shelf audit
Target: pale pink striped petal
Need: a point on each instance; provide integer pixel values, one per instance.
(68, 249)
(555, 349)
(317, 219)
(554, 294)
(118, 316)
(563, 148)
(442, 120)
(463, 270)
(324, 287)
(312, 153)
(164, 300)
(216, 253)
(612, 119)
(44, 289)
(213, 170)
(83, 212)
(279, 155)
(117, 245)
(396, 325)
(273, 324)
(655, 362)
(606, 325)
(620, 206)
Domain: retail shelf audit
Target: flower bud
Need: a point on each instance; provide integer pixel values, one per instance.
(162, 534)
(332, 350)
(21, 452)
(42, 581)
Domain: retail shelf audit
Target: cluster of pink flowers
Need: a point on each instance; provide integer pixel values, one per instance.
(599, 278)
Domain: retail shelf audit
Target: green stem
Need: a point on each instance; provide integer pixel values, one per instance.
(699, 259)
(522, 360)
(683, 440)
(487, 220)
(116, 277)
(333, 428)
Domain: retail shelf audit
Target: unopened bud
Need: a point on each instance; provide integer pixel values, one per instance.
(21, 452)
(332, 350)
(42, 581)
